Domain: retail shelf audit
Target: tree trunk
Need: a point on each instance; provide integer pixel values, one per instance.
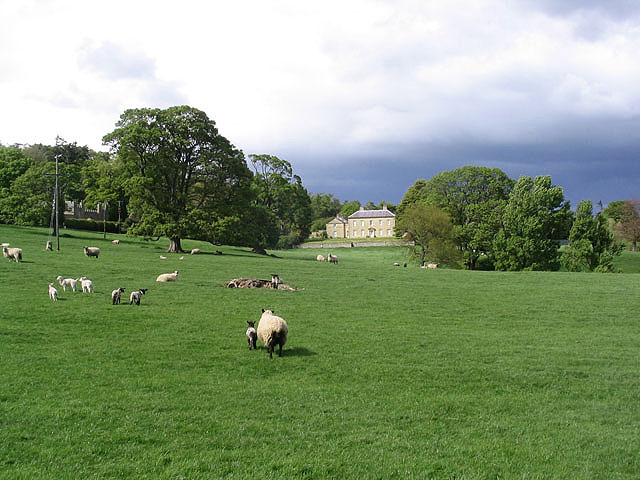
(174, 246)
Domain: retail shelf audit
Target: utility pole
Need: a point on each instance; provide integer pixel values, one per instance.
(104, 219)
(56, 197)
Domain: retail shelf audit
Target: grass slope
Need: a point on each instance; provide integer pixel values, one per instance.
(388, 372)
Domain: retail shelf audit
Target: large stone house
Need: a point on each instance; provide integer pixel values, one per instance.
(363, 224)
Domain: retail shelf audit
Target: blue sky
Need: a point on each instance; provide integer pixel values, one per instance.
(361, 97)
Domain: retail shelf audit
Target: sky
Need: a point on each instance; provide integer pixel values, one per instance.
(362, 97)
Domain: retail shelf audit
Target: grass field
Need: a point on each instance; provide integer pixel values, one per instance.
(388, 372)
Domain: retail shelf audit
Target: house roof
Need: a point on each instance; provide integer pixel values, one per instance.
(338, 220)
(384, 213)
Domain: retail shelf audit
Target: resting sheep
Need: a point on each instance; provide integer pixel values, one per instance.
(195, 251)
(53, 293)
(320, 258)
(332, 258)
(115, 296)
(136, 296)
(12, 253)
(251, 334)
(272, 331)
(67, 282)
(92, 251)
(168, 277)
(430, 265)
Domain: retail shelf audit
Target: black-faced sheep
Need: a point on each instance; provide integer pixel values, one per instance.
(272, 331)
(136, 296)
(115, 296)
(53, 293)
(252, 335)
(12, 253)
(92, 251)
(67, 282)
(331, 258)
(168, 277)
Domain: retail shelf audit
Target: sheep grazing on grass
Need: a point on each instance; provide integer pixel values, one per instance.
(331, 258)
(115, 242)
(252, 335)
(320, 258)
(272, 331)
(53, 293)
(168, 277)
(67, 282)
(115, 296)
(92, 251)
(87, 285)
(195, 251)
(136, 296)
(275, 281)
(12, 253)
(396, 264)
(430, 265)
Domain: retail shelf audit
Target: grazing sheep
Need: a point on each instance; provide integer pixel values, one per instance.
(92, 251)
(53, 293)
(195, 251)
(162, 257)
(67, 282)
(115, 242)
(87, 285)
(48, 246)
(12, 253)
(252, 335)
(332, 258)
(136, 296)
(396, 264)
(432, 265)
(168, 277)
(115, 296)
(320, 258)
(272, 331)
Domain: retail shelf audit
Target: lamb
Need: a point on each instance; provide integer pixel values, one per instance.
(251, 334)
(53, 293)
(320, 258)
(87, 285)
(195, 251)
(332, 258)
(115, 242)
(48, 246)
(12, 253)
(67, 282)
(115, 296)
(272, 331)
(92, 251)
(136, 296)
(168, 277)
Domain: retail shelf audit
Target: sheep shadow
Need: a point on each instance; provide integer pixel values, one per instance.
(298, 352)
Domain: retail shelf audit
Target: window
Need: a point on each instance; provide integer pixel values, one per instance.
(362, 223)
(388, 233)
(335, 234)
(371, 223)
(389, 221)
(363, 233)
(355, 233)
(355, 223)
(380, 222)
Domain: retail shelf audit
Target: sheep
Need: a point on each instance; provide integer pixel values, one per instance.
(67, 282)
(87, 285)
(115, 296)
(332, 258)
(320, 258)
(168, 277)
(48, 246)
(432, 265)
(162, 257)
(252, 335)
(136, 296)
(272, 331)
(92, 251)
(195, 251)
(12, 253)
(115, 242)
(53, 293)
(396, 264)
(275, 281)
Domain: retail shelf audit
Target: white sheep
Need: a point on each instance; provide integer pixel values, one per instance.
(331, 258)
(195, 251)
(87, 285)
(12, 253)
(136, 296)
(92, 251)
(115, 242)
(168, 277)
(53, 293)
(430, 265)
(48, 246)
(67, 282)
(115, 296)
(272, 331)
(251, 334)
(320, 258)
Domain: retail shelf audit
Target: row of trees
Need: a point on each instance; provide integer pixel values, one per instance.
(481, 218)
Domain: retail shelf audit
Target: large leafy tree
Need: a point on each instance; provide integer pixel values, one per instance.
(474, 197)
(591, 246)
(431, 230)
(185, 179)
(282, 194)
(104, 180)
(628, 226)
(535, 218)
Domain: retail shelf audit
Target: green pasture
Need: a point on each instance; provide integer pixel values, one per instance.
(388, 372)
